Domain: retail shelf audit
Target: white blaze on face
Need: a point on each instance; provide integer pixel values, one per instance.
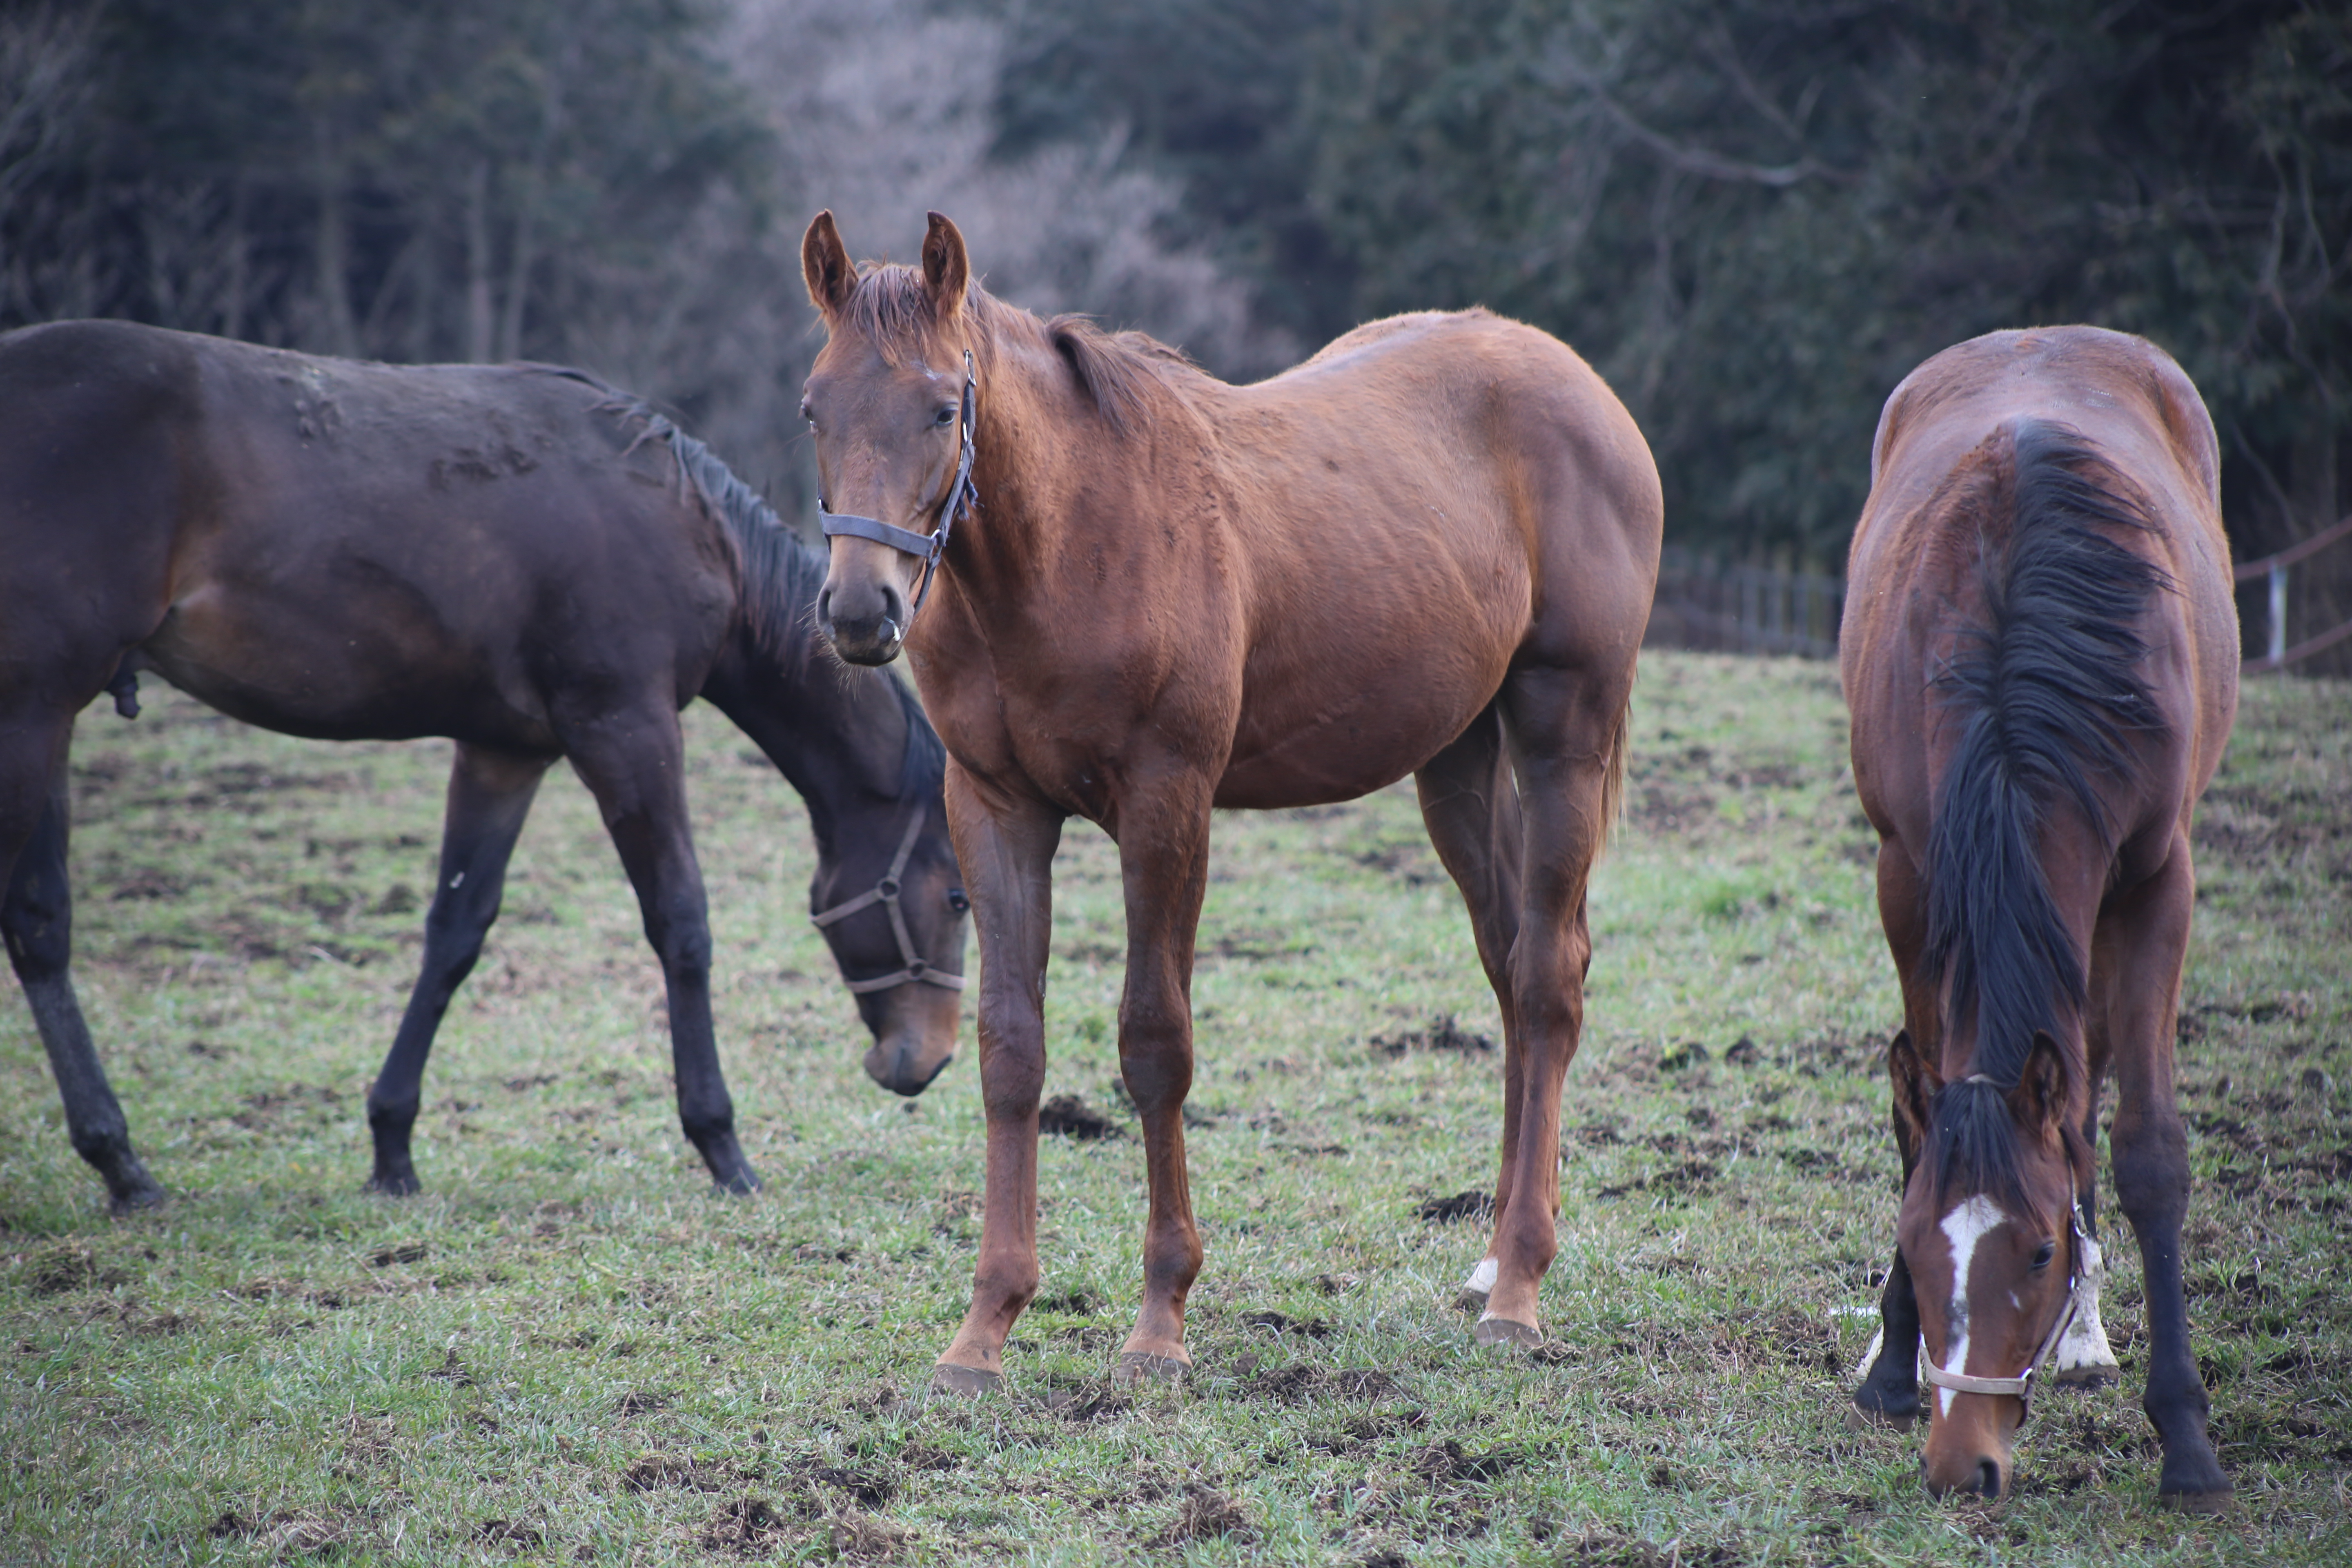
(1963, 1229)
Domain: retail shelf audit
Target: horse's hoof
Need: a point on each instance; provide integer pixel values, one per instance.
(2199, 1502)
(1857, 1419)
(965, 1382)
(1468, 1300)
(742, 1184)
(394, 1184)
(1142, 1366)
(136, 1201)
(1503, 1332)
(2087, 1379)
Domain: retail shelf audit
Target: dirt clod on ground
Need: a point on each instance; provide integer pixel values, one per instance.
(1204, 1514)
(1442, 1033)
(747, 1527)
(1067, 1116)
(1472, 1205)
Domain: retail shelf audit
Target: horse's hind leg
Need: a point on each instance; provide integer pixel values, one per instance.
(489, 796)
(633, 763)
(1471, 806)
(36, 919)
(1565, 726)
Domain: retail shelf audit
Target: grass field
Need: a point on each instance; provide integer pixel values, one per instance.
(568, 1348)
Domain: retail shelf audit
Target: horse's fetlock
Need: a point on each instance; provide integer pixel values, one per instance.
(393, 1116)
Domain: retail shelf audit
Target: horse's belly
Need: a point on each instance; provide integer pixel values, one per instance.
(1356, 744)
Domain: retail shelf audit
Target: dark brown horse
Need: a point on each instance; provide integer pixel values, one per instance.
(2041, 654)
(1429, 549)
(516, 557)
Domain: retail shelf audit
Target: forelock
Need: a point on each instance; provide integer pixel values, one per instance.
(892, 308)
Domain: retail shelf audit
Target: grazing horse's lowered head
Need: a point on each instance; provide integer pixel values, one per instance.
(1995, 1242)
(890, 498)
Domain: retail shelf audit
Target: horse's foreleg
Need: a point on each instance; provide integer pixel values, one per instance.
(1163, 854)
(1564, 726)
(489, 796)
(2146, 930)
(1889, 1391)
(633, 763)
(1006, 846)
(2085, 1359)
(36, 919)
(1471, 806)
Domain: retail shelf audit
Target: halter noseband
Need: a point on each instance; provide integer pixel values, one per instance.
(962, 496)
(885, 893)
(2083, 1271)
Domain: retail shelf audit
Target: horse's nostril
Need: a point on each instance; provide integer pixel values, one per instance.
(824, 605)
(1987, 1477)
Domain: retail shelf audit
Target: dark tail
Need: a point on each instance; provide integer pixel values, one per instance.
(2047, 692)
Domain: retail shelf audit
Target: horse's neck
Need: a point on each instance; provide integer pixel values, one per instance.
(837, 734)
(1052, 477)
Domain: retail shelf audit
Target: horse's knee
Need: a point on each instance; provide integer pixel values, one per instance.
(679, 935)
(2150, 1163)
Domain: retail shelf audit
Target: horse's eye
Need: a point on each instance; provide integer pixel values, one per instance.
(810, 414)
(945, 416)
(2041, 1256)
(957, 901)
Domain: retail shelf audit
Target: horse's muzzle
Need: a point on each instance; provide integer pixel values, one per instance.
(869, 638)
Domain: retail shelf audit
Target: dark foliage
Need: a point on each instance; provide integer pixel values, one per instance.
(1756, 217)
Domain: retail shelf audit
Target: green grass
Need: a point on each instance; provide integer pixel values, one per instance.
(568, 1348)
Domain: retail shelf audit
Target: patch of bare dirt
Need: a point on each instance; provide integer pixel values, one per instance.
(1442, 1033)
(1471, 1204)
(1298, 1384)
(1206, 1514)
(1067, 1116)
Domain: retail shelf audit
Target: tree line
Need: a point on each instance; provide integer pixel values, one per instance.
(1752, 215)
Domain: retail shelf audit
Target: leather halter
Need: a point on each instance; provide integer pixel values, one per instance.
(962, 496)
(885, 893)
(2082, 1282)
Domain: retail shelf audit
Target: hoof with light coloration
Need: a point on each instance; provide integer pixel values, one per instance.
(965, 1382)
(1502, 1332)
(1142, 1366)
(2085, 1379)
(1476, 1287)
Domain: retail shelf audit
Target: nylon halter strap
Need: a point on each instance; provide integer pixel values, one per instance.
(885, 893)
(2082, 1282)
(961, 497)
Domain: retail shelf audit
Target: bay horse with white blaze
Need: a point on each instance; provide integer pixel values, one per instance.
(2040, 655)
(1430, 549)
(514, 556)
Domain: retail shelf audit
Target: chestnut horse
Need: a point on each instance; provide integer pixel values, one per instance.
(2040, 655)
(514, 556)
(1430, 549)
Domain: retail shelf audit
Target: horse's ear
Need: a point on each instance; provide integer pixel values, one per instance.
(831, 276)
(1915, 1087)
(2039, 1101)
(947, 267)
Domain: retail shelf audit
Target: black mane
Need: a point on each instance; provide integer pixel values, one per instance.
(779, 575)
(2046, 692)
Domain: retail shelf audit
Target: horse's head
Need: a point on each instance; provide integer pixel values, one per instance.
(1991, 1234)
(892, 909)
(889, 406)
